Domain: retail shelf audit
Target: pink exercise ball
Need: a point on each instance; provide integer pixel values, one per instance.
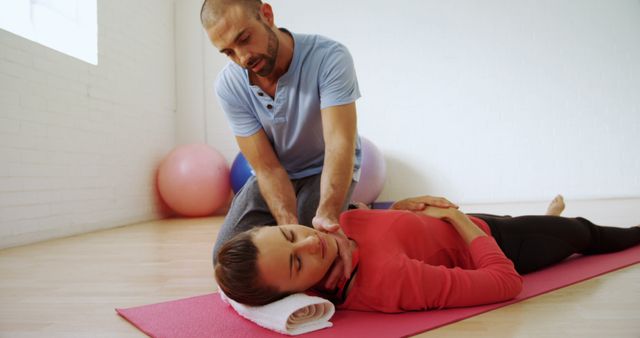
(194, 180)
(373, 172)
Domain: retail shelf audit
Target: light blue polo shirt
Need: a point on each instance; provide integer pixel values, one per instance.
(321, 75)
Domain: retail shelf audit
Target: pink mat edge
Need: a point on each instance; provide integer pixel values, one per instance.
(121, 313)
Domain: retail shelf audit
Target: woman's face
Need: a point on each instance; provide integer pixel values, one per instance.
(293, 258)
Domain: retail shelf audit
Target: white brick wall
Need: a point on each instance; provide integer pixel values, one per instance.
(79, 144)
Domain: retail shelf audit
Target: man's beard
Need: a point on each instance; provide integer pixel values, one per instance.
(272, 52)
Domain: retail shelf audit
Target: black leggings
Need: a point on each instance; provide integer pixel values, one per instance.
(535, 242)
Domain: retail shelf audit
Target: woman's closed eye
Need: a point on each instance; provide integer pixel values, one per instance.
(297, 257)
(299, 263)
(291, 237)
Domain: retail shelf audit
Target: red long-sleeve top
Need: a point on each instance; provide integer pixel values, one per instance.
(410, 261)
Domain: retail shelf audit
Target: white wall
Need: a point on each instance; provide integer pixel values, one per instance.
(219, 133)
(199, 118)
(190, 94)
(489, 101)
(484, 101)
(79, 144)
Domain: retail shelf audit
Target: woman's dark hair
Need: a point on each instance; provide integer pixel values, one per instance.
(237, 273)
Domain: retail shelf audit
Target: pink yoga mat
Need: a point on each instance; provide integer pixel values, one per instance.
(208, 316)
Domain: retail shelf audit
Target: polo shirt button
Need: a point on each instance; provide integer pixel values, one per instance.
(260, 94)
(269, 106)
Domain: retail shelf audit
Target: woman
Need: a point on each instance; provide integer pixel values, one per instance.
(411, 260)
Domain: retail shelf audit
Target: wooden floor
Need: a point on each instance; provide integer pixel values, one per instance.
(70, 287)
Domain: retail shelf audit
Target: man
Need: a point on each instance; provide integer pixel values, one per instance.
(290, 100)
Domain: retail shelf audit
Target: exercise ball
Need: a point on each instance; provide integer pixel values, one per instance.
(240, 172)
(373, 171)
(193, 180)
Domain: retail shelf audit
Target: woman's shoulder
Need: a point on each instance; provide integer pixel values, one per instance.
(360, 215)
(366, 222)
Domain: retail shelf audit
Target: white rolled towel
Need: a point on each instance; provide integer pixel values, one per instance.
(293, 315)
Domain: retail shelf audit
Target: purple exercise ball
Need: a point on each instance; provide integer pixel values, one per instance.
(373, 173)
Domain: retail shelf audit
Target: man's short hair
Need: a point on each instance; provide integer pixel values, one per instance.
(212, 10)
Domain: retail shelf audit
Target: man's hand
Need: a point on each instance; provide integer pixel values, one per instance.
(421, 202)
(325, 224)
(342, 268)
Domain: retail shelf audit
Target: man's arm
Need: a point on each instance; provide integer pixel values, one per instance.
(274, 183)
(339, 131)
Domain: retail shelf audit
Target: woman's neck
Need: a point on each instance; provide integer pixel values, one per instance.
(339, 293)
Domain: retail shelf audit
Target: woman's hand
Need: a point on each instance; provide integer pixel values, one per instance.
(463, 225)
(445, 214)
(421, 202)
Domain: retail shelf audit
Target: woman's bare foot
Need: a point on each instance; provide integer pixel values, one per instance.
(556, 206)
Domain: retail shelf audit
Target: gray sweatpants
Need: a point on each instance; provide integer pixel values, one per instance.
(249, 209)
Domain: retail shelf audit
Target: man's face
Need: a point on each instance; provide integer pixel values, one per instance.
(246, 39)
